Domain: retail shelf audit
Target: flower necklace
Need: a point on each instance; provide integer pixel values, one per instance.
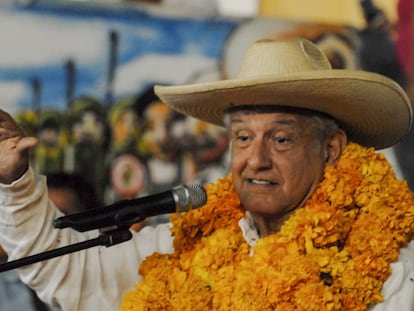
(332, 254)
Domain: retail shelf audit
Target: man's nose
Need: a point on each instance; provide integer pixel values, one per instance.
(260, 156)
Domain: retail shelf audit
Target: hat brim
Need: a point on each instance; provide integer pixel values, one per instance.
(372, 109)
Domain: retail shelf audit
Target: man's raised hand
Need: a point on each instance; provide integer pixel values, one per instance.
(14, 149)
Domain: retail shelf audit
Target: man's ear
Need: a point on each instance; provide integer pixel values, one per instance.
(335, 146)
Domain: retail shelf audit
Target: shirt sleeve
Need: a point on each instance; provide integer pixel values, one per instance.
(92, 279)
(398, 290)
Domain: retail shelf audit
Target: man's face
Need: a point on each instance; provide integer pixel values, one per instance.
(277, 161)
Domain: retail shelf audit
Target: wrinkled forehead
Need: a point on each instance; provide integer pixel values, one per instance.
(304, 114)
(273, 109)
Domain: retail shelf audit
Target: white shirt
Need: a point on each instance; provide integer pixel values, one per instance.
(98, 277)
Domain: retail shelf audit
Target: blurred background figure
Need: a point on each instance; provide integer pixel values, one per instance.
(165, 136)
(72, 193)
(49, 151)
(128, 176)
(85, 154)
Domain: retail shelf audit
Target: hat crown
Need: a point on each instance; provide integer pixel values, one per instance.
(269, 57)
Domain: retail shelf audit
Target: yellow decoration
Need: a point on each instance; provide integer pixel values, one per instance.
(332, 254)
(332, 12)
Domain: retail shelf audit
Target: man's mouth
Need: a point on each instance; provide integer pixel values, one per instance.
(260, 182)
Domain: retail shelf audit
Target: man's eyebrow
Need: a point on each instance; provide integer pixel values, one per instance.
(290, 122)
(236, 120)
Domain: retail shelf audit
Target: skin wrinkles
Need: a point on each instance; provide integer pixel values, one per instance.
(278, 161)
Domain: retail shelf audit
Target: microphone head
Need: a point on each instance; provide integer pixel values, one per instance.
(188, 197)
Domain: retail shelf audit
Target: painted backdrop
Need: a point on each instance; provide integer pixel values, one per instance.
(80, 78)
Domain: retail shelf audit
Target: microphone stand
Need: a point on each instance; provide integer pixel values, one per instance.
(106, 238)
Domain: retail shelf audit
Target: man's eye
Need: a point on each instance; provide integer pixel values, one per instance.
(280, 140)
(282, 143)
(242, 138)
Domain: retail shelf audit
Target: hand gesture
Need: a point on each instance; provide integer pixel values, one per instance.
(14, 149)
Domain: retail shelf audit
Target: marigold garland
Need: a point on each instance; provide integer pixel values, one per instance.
(332, 254)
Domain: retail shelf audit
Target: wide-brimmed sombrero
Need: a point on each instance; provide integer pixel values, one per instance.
(372, 109)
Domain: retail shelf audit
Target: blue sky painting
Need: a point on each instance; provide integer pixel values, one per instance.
(45, 46)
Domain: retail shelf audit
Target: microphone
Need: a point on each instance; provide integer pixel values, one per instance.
(124, 213)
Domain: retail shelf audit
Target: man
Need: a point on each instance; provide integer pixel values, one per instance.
(71, 193)
(307, 220)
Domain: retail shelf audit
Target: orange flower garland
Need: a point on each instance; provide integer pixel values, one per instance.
(332, 254)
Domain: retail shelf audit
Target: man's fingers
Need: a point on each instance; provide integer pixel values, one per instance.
(6, 121)
(4, 116)
(26, 143)
(8, 127)
(10, 130)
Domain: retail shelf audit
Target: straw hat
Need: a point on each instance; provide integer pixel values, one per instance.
(372, 109)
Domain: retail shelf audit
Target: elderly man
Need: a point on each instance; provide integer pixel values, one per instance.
(310, 218)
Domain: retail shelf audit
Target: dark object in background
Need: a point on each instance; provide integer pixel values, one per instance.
(378, 53)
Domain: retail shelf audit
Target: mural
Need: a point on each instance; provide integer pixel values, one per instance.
(80, 78)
